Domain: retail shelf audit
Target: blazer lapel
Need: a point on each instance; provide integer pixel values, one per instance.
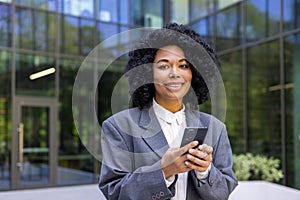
(153, 135)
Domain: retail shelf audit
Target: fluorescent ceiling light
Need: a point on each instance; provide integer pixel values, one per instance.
(42, 73)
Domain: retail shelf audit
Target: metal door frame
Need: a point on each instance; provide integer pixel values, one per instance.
(18, 102)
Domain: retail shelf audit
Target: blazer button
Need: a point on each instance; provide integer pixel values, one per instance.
(211, 182)
(162, 194)
(153, 197)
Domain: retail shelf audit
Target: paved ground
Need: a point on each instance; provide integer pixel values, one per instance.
(247, 190)
(82, 192)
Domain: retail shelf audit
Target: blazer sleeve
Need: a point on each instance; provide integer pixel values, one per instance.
(119, 179)
(221, 180)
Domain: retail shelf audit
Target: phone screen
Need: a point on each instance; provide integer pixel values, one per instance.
(192, 134)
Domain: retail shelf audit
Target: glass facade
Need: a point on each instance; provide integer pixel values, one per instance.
(258, 42)
(292, 84)
(263, 94)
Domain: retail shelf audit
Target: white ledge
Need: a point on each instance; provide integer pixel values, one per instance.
(262, 190)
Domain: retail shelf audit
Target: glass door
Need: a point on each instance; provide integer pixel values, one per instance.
(34, 159)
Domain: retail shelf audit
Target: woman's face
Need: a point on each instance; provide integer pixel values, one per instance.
(171, 73)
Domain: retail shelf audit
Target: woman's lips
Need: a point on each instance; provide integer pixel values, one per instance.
(173, 86)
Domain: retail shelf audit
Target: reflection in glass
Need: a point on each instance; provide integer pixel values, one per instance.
(205, 28)
(75, 163)
(5, 25)
(182, 16)
(77, 7)
(264, 99)
(263, 18)
(108, 10)
(232, 74)
(106, 30)
(80, 40)
(226, 3)
(87, 31)
(124, 12)
(35, 30)
(24, 29)
(41, 4)
(27, 65)
(148, 13)
(291, 14)
(200, 8)
(70, 42)
(292, 91)
(229, 26)
(5, 119)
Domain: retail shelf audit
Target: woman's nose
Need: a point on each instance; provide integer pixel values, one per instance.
(174, 73)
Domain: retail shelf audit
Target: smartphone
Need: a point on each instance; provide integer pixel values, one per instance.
(192, 134)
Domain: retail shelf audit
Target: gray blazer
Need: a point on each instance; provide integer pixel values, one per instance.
(132, 146)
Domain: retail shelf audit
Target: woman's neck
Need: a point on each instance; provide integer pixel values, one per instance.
(171, 105)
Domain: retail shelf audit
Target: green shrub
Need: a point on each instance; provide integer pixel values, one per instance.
(258, 167)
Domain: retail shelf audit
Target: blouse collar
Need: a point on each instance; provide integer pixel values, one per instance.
(168, 116)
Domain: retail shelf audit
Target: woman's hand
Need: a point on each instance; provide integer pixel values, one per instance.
(174, 160)
(200, 158)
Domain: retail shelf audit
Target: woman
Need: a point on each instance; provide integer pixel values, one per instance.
(142, 158)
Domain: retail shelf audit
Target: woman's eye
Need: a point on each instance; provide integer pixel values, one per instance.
(184, 66)
(163, 67)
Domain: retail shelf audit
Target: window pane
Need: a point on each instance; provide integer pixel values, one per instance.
(179, 11)
(204, 28)
(35, 75)
(262, 18)
(200, 8)
(264, 99)
(5, 119)
(147, 13)
(70, 42)
(45, 31)
(87, 36)
(35, 30)
(24, 29)
(75, 163)
(232, 73)
(41, 4)
(273, 17)
(77, 7)
(291, 14)
(229, 28)
(5, 25)
(108, 11)
(292, 86)
(106, 30)
(124, 11)
(226, 3)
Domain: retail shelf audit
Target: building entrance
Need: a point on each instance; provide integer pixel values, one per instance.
(34, 134)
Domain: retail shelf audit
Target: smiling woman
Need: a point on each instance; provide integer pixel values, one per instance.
(169, 73)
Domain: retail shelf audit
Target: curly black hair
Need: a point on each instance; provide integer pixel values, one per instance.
(198, 53)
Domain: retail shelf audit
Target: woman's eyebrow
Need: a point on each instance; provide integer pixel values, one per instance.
(183, 60)
(162, 60)
(166, 60)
